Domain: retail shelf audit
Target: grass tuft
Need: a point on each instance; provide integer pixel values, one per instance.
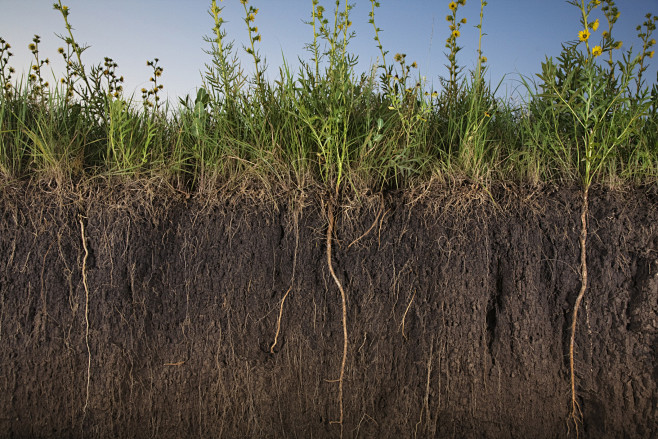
(589, 116)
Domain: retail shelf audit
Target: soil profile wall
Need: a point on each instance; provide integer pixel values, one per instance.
(458, 313)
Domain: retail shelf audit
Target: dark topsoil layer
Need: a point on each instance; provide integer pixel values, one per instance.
(458, 315)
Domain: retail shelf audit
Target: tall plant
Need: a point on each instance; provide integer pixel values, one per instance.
(603, 117)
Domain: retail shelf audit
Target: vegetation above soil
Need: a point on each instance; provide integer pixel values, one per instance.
(588, 117)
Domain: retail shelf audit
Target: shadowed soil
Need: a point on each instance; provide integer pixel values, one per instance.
(458, 314)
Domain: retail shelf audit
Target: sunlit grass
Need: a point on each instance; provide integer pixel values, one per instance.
(587, 118)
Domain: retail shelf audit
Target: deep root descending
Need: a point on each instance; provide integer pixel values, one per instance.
(575, 415)
(330, 229)
(84, 283)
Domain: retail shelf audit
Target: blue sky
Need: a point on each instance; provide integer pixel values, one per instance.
(520, 33)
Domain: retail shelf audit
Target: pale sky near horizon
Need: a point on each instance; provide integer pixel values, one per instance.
(520, 33)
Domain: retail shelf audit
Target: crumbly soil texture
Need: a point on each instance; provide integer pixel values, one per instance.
(132, 312)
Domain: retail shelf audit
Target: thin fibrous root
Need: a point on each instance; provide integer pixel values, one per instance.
(404, 316)
(292, 278)
(84, 283)
(374, 223)
(330, 229)
(575, 415)
(278, 321)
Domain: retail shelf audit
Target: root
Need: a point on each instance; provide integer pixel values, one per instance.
(575, 416)
(292, 279)
(278, 321)
(374, 223)
(330, 229)
(405, 315)
(84, 283)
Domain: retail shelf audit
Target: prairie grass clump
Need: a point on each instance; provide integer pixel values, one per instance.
(591, 115)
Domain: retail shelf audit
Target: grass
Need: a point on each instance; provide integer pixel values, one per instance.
(588, 118)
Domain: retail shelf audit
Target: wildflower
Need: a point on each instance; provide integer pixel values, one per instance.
(257, 38)
(455, 33)
(650, 54)
(35, 68)
(397, 57)
(11, 70)
(462, 2)
(463, 21)
(448, 17)
(414, 65)
(652, 42)
(63, 81)
(583, 35)
(605, 35)
(60, 50)
(484, 59)
(251, 17)
(596, 51)
(453, 6)
(595, 25)
(618, 45)
(32, 47)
